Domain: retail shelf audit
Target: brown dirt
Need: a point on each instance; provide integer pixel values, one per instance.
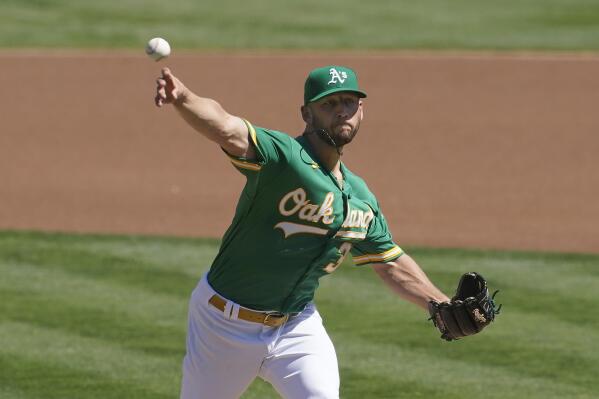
(462, 151)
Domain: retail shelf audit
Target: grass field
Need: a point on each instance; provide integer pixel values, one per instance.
(85, 316)
(312, 24)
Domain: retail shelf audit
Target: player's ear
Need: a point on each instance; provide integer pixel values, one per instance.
(306, 114)
(361, 110)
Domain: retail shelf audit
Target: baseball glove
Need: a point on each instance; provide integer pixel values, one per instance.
(468, 312)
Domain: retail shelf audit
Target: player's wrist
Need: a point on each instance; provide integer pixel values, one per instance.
(184, 96)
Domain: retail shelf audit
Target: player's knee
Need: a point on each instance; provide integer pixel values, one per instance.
(318, 390)
(324, 394)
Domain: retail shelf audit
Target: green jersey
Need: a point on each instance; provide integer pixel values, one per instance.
(294, 223)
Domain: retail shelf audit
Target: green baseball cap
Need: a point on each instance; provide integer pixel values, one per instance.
(330, 79)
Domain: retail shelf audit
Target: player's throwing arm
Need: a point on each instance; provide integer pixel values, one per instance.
(205, 115)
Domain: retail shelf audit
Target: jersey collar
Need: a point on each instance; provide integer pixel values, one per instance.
(345, 187)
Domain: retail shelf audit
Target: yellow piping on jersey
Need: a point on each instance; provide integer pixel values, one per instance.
(376, 258)
(351, 234)
(245, 165)
(252, 132)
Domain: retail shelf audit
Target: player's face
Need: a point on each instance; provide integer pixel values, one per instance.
(340, 114)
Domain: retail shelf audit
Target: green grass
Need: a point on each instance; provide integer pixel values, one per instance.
(306, 24)
(86, 316)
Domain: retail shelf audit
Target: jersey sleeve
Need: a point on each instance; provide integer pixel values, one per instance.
(272, 148)
(378, 246)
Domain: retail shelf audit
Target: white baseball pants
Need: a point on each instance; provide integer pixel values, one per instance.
(224, 355)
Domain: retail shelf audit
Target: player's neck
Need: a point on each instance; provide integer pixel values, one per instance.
(327, 154)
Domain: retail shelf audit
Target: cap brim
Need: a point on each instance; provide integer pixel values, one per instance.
(360, 93)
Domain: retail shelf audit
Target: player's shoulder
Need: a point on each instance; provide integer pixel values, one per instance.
(271, 134)
(276, 137)
(272, 145)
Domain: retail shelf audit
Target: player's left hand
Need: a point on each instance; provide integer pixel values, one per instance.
(468, 312)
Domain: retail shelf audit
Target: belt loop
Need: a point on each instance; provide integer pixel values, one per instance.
(234, 312)
(228, 310)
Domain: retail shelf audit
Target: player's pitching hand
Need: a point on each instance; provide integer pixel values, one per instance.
(169, 89)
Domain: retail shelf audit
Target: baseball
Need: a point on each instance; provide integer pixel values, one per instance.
(158, 48)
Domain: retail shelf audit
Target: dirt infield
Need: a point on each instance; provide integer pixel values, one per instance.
(462, 151)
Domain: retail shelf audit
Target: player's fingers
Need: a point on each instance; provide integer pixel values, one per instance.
(167, 75)
(174, 93)
(158, 101)
(160, 82)
(161, 92)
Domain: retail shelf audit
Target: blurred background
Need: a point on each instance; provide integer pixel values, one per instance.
(479, 140)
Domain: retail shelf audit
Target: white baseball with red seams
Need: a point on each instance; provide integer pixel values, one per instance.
(158, 48)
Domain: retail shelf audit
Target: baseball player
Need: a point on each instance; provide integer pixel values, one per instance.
(301, 212)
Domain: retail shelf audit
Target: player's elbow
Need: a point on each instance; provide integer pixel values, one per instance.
(233, 134)
(384, 270)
